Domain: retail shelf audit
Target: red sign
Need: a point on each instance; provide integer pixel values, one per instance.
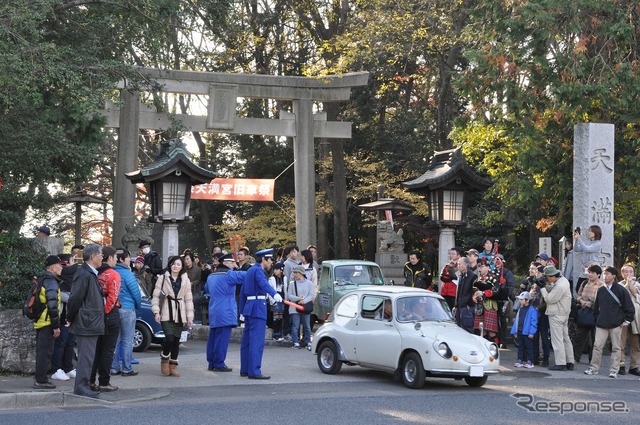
(235, 190)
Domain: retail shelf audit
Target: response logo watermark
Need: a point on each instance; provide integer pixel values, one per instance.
(530, 404)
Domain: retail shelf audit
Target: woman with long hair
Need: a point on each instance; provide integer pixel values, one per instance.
(172, 306)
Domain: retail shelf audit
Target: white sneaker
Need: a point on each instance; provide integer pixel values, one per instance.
(71, 373)
(60, 375)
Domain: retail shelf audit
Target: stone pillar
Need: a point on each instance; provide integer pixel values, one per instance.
(446, 242)
(124, 195)
(169, 241)
(593, 172)
(303, 154)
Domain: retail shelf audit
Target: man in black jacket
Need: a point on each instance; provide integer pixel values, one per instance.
(48, 324)
(614, 310)
(463, 309)
(416, 273)
(85, 312)
(152, 261)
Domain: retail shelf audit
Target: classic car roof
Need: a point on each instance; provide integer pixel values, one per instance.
(349, 263)
(394, 290)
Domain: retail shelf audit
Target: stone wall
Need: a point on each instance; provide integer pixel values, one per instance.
(17, 342)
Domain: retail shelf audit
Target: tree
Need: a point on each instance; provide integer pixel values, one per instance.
(537, 69)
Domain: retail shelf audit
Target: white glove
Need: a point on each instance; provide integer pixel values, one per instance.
(241, 318)
(277, 298)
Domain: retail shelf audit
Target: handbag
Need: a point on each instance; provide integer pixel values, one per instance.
(307, 307)
(586, 318)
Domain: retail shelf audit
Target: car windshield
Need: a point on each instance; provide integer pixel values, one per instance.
(422, 308)
(358, 274)
(143, 291)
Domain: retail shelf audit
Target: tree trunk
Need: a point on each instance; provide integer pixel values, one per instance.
(340, 224)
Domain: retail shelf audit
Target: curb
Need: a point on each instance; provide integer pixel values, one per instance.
(47, 399)
(34, 399)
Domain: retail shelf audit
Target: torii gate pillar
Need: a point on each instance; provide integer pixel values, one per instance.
(303, 155)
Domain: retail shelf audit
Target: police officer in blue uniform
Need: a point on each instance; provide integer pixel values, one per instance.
(253, 305)
(221, 287)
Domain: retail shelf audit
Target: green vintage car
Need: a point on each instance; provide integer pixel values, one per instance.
(337, 277)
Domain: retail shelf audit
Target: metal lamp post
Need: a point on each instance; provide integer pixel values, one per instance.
(169, 180)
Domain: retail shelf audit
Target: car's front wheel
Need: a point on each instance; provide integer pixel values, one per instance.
(476, 381)
(328, 358)
(141, 337)
(413, 373)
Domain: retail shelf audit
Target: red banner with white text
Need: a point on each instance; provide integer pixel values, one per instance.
(235, 190)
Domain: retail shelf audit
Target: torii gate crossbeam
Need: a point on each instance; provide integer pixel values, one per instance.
(223, 90)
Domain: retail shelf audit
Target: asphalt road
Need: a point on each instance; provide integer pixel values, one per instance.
(300, 393)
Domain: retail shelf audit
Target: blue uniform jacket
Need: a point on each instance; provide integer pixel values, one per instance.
(530, 326)
(255, 284)
(221, 287)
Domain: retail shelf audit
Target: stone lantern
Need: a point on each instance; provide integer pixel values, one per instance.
(389, 254)
(447, 184)
(168, 181)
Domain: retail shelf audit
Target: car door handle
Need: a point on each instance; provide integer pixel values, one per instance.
(389, 324)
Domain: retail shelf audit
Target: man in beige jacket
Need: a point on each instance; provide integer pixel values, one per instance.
(557, 294)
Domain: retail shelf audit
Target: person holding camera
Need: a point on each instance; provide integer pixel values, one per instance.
(557, 294)
(541, 337)
(589, 250)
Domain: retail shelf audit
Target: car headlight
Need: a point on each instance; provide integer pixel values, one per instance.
(493, 350)
(443, 350)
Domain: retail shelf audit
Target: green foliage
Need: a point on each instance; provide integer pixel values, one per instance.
(270, 226)
(538, 69)
(21, 261)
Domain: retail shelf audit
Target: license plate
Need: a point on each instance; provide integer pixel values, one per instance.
(476, 371)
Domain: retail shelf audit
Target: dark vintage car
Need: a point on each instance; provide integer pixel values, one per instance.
(147, 329)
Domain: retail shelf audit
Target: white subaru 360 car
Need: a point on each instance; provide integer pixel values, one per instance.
(409, 332)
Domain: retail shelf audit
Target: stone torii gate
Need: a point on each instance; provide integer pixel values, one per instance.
(223, 90)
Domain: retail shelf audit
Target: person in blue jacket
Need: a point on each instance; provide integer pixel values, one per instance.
(130, 300)
(525, 326)
(253, 305)
(223, 311)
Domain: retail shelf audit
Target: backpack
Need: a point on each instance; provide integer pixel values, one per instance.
(33, 307)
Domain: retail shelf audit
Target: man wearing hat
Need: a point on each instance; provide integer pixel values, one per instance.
(221, 288)
(152, 261)
(557, 294)
(543, 258)
(253, 305)
(48, 324)
(64, 346)
(473, 255)
(44, 231)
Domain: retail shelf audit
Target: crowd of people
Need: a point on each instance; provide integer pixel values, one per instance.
(601, 306)
(92, 295)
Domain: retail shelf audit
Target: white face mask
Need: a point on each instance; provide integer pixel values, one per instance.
(146, 250)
